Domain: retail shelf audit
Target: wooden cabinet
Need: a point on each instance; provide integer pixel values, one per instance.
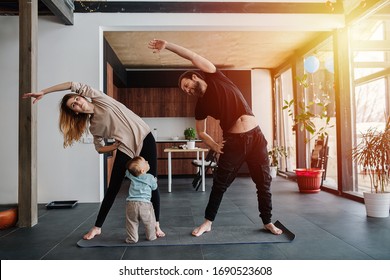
(158, 102)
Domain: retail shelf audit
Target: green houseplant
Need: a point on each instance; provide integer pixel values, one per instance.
(372, 154)
(305, 119)
(275, 153)
(190, 136)
(189, 133)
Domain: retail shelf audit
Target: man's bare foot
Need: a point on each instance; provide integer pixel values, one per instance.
(205, 227)
(159, 232)
(273, 229)
(92, 233)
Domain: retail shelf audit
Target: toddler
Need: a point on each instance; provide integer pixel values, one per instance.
(138, 205)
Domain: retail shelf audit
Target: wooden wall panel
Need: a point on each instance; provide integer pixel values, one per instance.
(158, 102)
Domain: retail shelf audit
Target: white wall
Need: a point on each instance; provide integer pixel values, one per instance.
(68, 53)
(9, 79)
(170, 127)
(262, 101)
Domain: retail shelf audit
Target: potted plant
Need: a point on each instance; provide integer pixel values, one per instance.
(8, 217)
(304, 118)
(190, 136)
(274, 155)
(372, 154)
(309, 179)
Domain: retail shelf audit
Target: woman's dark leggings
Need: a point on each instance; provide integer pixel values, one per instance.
(148, 152)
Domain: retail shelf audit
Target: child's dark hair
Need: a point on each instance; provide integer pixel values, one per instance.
(133, 166)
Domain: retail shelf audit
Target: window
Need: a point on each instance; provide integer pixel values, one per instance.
(319, 95)
(284, 134)
(370, 41)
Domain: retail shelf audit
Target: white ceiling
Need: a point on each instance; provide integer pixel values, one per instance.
(252, 41)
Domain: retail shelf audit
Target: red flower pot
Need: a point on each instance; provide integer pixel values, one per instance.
(309, 179)
(8, 218)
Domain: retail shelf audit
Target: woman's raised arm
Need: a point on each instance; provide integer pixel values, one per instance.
(39, 95)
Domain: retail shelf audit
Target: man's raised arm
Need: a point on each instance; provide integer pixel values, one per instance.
(198, 61)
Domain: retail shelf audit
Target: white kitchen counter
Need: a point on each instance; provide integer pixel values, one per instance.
(169, 140)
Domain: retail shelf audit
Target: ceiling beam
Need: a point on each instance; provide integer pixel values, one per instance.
(11, 8)
(207, 7)
(61, 9)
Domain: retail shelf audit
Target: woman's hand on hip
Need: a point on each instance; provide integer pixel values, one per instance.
(117, 143)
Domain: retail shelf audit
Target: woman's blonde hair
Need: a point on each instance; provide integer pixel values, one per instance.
(71, 125)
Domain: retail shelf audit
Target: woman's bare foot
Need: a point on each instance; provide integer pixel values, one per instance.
(273, 229)
(159, 232)
(92, 233)
(205, 227)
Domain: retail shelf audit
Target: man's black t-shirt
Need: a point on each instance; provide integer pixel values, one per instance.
(222, 101)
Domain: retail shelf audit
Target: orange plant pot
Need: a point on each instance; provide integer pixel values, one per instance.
(8, 218)
(309, 179)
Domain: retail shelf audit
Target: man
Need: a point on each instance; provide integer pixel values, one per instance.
(243, 141)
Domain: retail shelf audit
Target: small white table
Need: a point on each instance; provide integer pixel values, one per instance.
(176, 150)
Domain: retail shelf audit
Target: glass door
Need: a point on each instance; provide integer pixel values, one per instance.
(285, 136)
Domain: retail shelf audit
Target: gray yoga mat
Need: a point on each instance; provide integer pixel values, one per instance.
(181, 236)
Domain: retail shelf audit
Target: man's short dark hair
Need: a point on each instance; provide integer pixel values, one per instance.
(188, 75)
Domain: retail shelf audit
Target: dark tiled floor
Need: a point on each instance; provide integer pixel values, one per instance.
(327, 227)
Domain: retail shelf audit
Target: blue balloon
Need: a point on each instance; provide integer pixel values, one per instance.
(329, 65)
(311, 64)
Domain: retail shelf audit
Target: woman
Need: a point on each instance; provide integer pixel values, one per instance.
(107, 119)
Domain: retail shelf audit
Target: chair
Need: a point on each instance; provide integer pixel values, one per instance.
(210, 162)
(320, 154)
